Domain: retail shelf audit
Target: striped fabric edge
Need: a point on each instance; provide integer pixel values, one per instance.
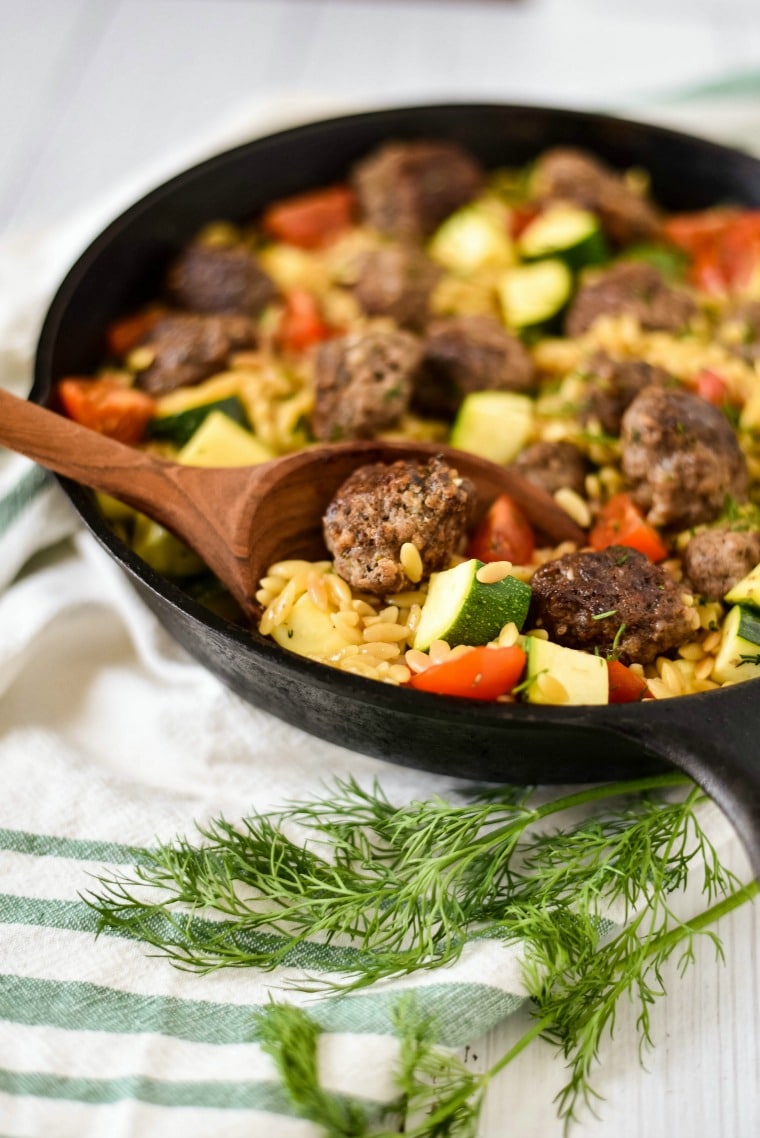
(18, 499)
(470, 1011)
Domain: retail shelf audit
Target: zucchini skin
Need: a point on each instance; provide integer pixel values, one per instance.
(180, 427)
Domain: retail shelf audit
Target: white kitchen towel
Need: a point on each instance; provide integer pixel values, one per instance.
(111, 737)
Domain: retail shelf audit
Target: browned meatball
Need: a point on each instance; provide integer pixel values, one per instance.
(613, 386)
(188, 347)
(379, 508)
(406, 189)
(630, 287)
(469, 353)
(647, 614)
(554, 466)
(569, 175)
(397, 281)
(363, 383)
(681, 457)
(207, 278)
(715, 560)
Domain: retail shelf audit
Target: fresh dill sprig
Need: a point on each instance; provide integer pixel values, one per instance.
(406, 887)
(437, 1095)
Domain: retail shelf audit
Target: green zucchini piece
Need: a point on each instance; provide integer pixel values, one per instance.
(180, 428)
(669, 260)
(493, 424)
(534, 296)
(308, 631)
(738, 656)
(460, 609)
(221, 442)
(573, 235)
(583, 676)
(746, 591)
(162, 550)
(473, 238)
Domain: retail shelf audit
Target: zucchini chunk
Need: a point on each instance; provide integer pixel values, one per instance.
(533, 296)
(584, 677)
(564, 231)
(493, 424)
(221, 442)
(738, 657)
(308, 631)
(746, 591)
(473, 238)
(180, 427)
(460, 609)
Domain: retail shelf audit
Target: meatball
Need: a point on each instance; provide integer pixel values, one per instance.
(715, 560)
(630, 287)
(554, 466)
(613, 386)
(207, 278)
(363, 383)
(469, 353)
(396, 281)
(379, 508)
(188, 347)
(646, 611)
(566, 174)
(406, 189)
(681, 457)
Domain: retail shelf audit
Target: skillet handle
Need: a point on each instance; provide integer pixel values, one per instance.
(714, 739)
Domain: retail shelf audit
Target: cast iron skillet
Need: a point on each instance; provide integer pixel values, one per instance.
(712, 736)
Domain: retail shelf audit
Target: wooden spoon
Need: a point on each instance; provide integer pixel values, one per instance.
(240, 520)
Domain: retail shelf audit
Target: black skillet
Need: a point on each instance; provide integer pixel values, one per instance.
(711, 736)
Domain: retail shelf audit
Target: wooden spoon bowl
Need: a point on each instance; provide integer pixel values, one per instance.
(240, 520)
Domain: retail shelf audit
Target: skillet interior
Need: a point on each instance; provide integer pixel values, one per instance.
(123, 267)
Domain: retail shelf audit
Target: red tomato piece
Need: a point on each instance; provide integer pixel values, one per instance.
(301, 324)
(520, 218)
(481, 673)
(107, 406)
(711, 387)
(724, 245)
(620, 522)
(125, 334)
(504, 534)
(690, 231)
(625, 685)
(312, 219)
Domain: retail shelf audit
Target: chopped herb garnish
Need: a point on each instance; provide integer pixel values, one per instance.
(604, 615)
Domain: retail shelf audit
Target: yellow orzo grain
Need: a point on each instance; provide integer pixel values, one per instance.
(493, 571)
(411, 562)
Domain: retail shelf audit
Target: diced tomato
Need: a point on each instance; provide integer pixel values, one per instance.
(125, 334)
(481, 673)
(725, 248)
(690, 231)
(712, 387)
(301, 324)
(312, 219)
(107, 406)
(504, 534)
(520, 218)
(625, 685)
(620, 522)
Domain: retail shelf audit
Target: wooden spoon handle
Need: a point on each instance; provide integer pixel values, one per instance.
(75, 451)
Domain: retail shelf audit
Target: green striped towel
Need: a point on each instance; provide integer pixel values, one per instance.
(111, 737)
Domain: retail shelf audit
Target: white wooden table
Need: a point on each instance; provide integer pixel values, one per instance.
(90, 90)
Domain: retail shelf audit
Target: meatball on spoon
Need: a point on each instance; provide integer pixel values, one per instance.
(242, 519)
